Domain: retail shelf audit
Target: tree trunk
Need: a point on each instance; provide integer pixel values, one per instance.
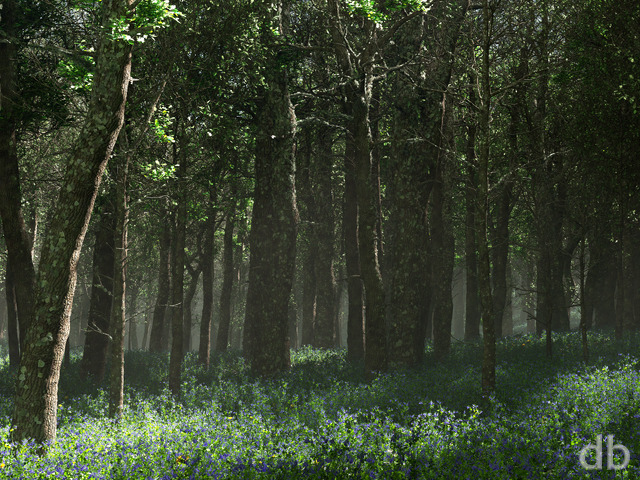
(207, 262)
(275, 218)
(324, 328)
(222, 341)
(118, 310)
(484, 275)
(36, 401)
(158, 327)
(355, 293)
(96, 341)
(17, 238)
(177, 283)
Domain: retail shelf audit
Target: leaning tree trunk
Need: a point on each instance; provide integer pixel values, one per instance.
(275, 218)
(207, 262)
(17, 239)
(36, 401)
(96, 341)
(222, 340)
(118, 310)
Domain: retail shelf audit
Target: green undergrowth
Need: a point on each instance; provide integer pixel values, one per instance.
(322, 420)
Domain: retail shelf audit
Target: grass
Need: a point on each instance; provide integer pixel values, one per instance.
(321, 420)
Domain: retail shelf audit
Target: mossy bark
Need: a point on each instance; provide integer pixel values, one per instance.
(36, 401)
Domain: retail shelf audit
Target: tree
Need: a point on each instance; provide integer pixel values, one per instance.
(275, 216)
(37, 387)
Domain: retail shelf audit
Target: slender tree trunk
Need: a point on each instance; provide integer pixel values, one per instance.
(177, 283)
(324, 329)
(583, 310)
(96, 340)
(275, 218)
(222, 341)
(207, 262)
(484, 278)
(118, 310)
(355, 292)
(36, 401)
(17, 238)
(158, 328)
(308, 240)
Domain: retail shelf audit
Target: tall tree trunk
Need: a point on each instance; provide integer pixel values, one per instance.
(324, 329)
(17, 238)
(482, 213)
(158, 327)
(177, 283)
(96, 341)
(355, 292)
(36, 401)
(207, 262)
(275, 218)
(118, 310)
(222, 341)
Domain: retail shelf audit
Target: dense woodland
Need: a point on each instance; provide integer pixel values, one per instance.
(392, 178)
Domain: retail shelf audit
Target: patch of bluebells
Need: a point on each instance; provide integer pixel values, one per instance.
(321, 420)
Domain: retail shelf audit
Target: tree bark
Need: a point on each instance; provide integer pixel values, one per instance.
(133, 318)
(17, 238)
(36, 401)
(484, 275)
(177, 284)
(472, 309)
(275, 218)
(222, 341)
(96, 341)
(118, 310)
(355, 292)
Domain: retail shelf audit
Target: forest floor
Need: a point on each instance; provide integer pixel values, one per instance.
(321, 420)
